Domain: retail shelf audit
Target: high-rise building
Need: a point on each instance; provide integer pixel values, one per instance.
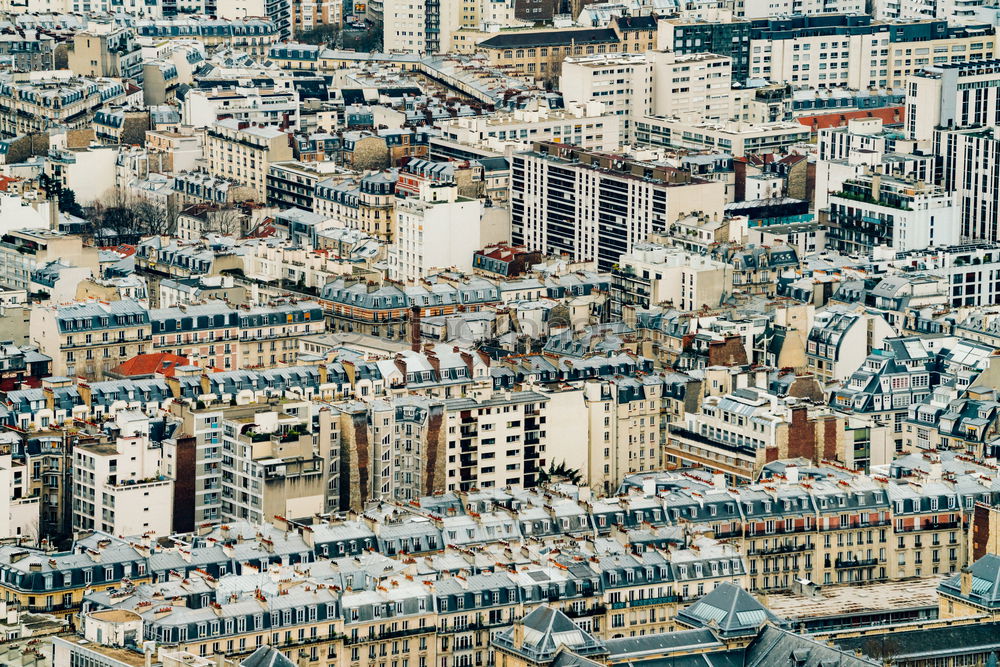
(954, 96)
(969, 160)
(598, 206)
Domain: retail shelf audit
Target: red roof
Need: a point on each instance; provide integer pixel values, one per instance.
(889, 116)
(125, 250)
(148, 364)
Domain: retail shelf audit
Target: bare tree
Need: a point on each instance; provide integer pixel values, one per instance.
(124, 218)
(227, 221)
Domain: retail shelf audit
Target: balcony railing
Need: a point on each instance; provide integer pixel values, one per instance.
(845, 564)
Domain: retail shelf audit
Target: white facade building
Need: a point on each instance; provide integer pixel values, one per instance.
(435, 229)
(120, 487)
(657, 83)
(970, 160)
(956, 95)
(257, 106)
(587, 125)
(420, 26)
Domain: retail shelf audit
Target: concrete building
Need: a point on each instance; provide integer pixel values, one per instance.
(657, 83)
(653, 274)
(258, 106)
(496, 441)
(420, 27)
(241, 152)
(853, 51)
(967, 159)
(724, 38)
(121, 487)
(875, 210)
(734, 137)
(952, 96)
(558, 215)
(586, 125)
(277, 11)
(434, 230)
(311, 14)
(272, 468)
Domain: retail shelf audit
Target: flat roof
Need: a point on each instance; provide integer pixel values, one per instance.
(835, 601)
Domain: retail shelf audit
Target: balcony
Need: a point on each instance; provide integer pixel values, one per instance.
(596, 610)
(781, 549)
(647, 602)
(846, 564)
(393, 634)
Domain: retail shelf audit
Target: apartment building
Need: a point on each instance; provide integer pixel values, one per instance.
(863, 145)
(420, 27)
(252, 35)
(222, 336)
(539, 54)
(384, 310)
(87, 339)
(278, 12)
(270, 467)
(954, 96)
(738, 433)
(106, 52)
(121, 487)
(724, 38)
(654, 274)
(619, 421)
(840, 340)
(294, 184)
(906, 372)
(558, 194)
(434, 229)
(944, 420)
(761, 9)
(967, 157)
(658, 83)
(311, 14)
(41, 100)
(242, 152)
(269, 107)
(586, 125)
(28, 51)
(365, 205)
(912, 54)
(875, 210)
(497, 441)
(24, 251)
(734, 137)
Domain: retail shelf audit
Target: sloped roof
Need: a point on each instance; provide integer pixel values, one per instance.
(889, 115)
(729, 609)
(148, 364)
(266, 656)
(546, 632)
(985, 582)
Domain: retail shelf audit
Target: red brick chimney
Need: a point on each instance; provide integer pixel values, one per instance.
(415, 328)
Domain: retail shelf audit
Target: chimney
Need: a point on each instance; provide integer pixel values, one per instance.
(966, 581)
(415, 328)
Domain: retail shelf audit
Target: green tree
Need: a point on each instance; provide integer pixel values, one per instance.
(560, 473)
(322, 35)
(68, 203)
